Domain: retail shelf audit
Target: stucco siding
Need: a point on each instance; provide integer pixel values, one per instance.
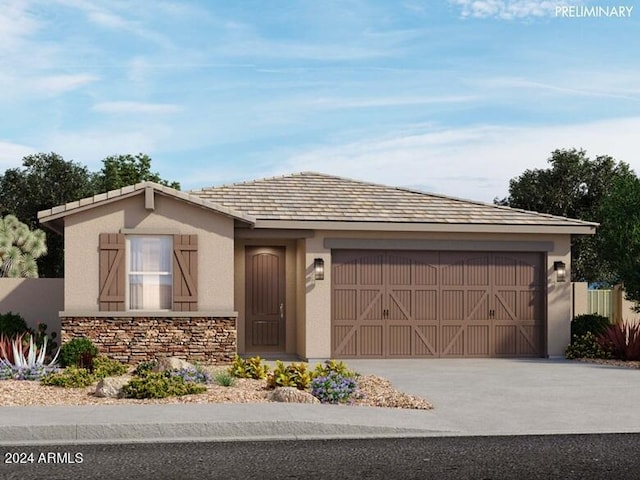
(215, 247)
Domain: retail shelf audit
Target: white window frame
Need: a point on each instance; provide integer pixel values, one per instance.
(129, 273)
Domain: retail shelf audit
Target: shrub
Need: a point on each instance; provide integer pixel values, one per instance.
(224, 379)
(40, 336)
(293, 375)
(250, 368)
(12, 324)
(78, 352)
(159, 385)
(194, 375)
(585, 346)
(582, 324)
(70, 377)
(144, 368)
(332, 366)
(622, 340)
(333, 388)
(107, 367)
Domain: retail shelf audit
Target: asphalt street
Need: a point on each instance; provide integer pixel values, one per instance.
(599, 456)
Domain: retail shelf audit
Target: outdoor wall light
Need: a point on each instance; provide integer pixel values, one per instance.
(318, 269)
(561, 271)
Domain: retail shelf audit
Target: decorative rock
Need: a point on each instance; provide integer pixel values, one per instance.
(291, 395)
(171, 363)
(111, 387)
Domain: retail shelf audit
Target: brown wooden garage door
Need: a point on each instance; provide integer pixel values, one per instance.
(436, 304)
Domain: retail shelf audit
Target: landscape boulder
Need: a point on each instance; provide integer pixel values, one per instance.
(171, 363)
(111, 387)
(291, 395)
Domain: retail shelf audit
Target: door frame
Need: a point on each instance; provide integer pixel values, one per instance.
(280, 251)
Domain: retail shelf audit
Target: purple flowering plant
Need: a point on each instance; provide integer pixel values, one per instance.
(193, 375)
(32, 372)
(334, 388)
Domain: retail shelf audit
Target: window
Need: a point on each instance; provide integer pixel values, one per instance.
(149, 272)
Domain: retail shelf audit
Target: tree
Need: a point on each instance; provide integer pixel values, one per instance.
(19, 248)
(620, 234)
(121, 170)
(574, 186)
(45, 181)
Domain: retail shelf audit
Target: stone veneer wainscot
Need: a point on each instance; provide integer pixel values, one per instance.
(133, 339)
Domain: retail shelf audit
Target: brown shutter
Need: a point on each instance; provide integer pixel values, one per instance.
(185, 272)
(112, 272)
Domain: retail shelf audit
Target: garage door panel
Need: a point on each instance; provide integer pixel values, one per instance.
(426, 305)
(344, 341)
(425, 341)
(370, 305)
(370, 341)
(477, 343)
(400, 341)
(438, 304)
(452, 340)
(345, 304)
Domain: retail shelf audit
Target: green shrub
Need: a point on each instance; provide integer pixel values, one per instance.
(332, 366)
(107, 367)
(78, 352)
(160, 385)
(224, 379)
(144, 368)
(582, 324)
(293, 375)
(40, 336)
(585, 346)
(70, 377)
(12, 324)
(250, 368)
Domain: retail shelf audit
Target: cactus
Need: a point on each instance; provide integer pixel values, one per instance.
(19, 248)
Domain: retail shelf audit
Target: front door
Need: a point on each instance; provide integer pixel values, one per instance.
(265, 299)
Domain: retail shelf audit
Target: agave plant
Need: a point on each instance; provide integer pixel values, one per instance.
(32, 357)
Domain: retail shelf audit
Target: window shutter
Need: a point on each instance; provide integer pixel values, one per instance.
(112, 272)
(185, 273)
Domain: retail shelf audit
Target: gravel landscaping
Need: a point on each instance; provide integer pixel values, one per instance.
(374, 391)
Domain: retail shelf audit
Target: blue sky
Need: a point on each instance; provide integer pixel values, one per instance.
(449, 96)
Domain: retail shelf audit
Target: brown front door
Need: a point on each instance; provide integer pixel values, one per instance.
(265, 299)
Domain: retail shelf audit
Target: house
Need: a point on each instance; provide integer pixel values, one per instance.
(312, 265)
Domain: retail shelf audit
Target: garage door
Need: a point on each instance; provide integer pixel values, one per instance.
(401, 304)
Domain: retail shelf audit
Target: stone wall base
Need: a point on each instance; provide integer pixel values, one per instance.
(136, 339)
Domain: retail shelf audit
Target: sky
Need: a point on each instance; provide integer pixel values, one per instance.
(447, 96)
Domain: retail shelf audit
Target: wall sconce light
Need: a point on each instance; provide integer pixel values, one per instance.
(561, 271)
(318, 269)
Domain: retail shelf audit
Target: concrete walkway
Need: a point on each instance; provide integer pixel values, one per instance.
(471, 397)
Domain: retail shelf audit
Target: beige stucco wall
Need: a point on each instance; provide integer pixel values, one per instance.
(215, 247)
(38, 300)
(317, 337)
(291, 279)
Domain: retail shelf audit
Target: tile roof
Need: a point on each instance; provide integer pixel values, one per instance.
(310, 196)
(138, 188)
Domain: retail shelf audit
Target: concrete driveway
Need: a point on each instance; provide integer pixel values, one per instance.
(504, 396)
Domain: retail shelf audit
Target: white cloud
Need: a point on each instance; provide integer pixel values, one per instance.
(89, 147)
(509, 9)
(57, 84)
(136, 108)
(474, 162)
(11, 154)
(16, 23)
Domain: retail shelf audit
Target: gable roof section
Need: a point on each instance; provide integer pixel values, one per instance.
(52, 216)
(323, 199)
